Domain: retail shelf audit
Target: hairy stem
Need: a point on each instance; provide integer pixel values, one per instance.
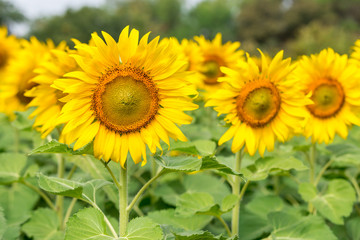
(123, 201)
(41, 193)
(236, 191)
(59, 203)
(225, 225)
(322, 171)
(312, 160)
(68, 213)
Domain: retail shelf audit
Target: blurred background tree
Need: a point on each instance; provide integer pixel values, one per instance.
(9, 14)
(297, 26)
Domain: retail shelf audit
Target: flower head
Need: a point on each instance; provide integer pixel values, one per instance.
(261, 106)
(128, 94)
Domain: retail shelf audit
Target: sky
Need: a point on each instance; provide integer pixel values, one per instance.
(39, 8)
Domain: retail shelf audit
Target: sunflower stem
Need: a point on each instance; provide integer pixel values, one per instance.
(123, 201)
(72, 171)
(41, 193)
(224, 224)
(68, 213)
(312, 159)
(236, 191)
(59, 203)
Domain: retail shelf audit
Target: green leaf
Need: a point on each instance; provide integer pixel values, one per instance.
(22, 122)
(307, 191)
(229, 202)
(43, 225)
(11, 165)
(337, 202)
(17, 202)
(205, 147)
(168, 217)
(56, 147)
(201, 235)
(90, 188)
(189, 204)
(210, 162)
(263, 205)
(183, 147)
(180, 163)
(2, 223)
(60, 186)
(86, 224)
(252, 226)
(143, 228)
(352, 228)
(264, 166)
(290, 227)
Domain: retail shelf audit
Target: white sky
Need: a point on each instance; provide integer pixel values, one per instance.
(39, 8)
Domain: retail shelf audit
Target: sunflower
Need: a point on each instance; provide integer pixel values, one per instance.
(20, 71)
(215, 55)
(334, 85)
(260, 106)
(8, 48)
(355, 55)
(44, 97)
(128, 94)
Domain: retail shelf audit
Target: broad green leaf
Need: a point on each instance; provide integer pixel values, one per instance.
(263, 205)
(167, 194)
(17, 202)
(2, 223)
(252, 226)
(211, 184)
(43, 225)
(210, 162)
(201, 235)
(88, 223)
(189, 204)
(60, 186)
(307, 191)
(352, 228)
(290, 227)
(336, 203)
(90, 188)
(180, 163)
(263, 166)
(57, 147)
(205, 147)
(143, 228)
(168, 217)
(11, 165)
(183, 147)
(229, 202)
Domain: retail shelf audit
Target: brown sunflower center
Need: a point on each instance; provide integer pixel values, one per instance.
(328, 97)
(258, 103)
(126, 99)
(25, 86)
(211, 70)
(3, 56)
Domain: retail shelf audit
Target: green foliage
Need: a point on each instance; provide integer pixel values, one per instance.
(60, 186)
(43, 225)
(201, 236)
(11, 166)
(335, 203)
(143, 228)
(3, 224)
(55, 147)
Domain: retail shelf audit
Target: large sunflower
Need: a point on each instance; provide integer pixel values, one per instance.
(334, 85)
(215, 55)
(129, 94)
(20, 71)
(261, 106)
(9, 45)
(44, 97)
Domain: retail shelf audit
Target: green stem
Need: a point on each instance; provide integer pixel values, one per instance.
(112, 176)
(356, 186)
(236, 191)
(41, 193)
(312, 159)
(59, 203)
(16, 140)
(123, 201)
(72, 171)
(68, 213)
(144, 187)
(322, 171)
(243, 190)
(225, 225)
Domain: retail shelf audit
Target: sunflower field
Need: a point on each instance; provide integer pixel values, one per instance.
(137, 136)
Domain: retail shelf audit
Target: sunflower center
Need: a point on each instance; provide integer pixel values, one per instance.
(25, 86)
(211, 70)
(328, 97)
(126, 99)
(3, 56)
(258, 103)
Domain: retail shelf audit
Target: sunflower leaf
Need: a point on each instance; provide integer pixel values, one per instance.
(11, 165)
(60, 186)
(43, 224)
(88, 223)
(143, 228)
(2, 223)
(205, 147)
(179, 163)
(201, 235)
(210, 162)
(56, 147)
